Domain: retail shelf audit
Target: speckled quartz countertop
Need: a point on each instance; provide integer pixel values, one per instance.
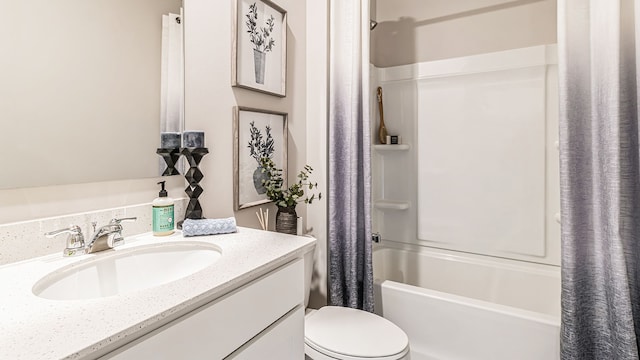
(37, 328)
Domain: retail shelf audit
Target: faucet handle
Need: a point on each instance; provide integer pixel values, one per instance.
(120, 220)
(75, 240)
(72, 229)
(117, 238)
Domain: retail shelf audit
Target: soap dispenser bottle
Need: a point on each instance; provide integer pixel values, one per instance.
(162, 218)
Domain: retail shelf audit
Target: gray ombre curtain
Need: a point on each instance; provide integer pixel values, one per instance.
(600, 178)
(349, 201)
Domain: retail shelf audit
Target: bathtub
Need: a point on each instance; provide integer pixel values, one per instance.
(464, 306)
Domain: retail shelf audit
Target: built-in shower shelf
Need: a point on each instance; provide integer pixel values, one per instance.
(384, 148)
(391, 205)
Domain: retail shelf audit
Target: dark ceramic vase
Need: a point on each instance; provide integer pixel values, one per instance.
(287, 220)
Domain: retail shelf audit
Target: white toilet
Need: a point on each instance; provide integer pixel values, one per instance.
(340, 333)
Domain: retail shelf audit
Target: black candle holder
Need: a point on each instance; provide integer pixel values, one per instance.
(193, 177)
(170, 157)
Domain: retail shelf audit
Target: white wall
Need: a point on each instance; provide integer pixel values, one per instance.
(317, 117)
(411, 31)
(210, 99)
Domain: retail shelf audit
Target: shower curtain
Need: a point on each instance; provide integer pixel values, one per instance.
(600, 178)
(171, 80)
(172, 76)
(349, 201)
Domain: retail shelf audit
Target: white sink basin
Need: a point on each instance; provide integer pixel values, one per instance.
(122, 271)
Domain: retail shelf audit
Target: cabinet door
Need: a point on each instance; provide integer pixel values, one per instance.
(217, 329)
(282, 340)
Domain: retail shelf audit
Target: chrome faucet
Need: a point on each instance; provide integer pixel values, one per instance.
(104, 238)
(108, 236)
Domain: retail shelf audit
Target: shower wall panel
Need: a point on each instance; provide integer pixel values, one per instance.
(481, 161)
(479, 170)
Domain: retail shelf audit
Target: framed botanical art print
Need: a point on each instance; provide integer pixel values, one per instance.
(259, 47)
(257, 134)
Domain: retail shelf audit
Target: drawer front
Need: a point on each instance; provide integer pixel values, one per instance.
(215, 330)
(282, 340)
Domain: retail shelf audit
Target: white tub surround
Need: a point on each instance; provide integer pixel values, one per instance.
(463, 306)
(466, 209)
(37, 328)
(478, 171)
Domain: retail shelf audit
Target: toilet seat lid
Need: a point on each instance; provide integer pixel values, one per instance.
(354, 333)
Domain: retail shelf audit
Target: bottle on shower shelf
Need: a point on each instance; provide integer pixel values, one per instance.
(382, 131)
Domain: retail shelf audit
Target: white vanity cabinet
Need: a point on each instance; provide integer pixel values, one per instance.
(263, 319)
